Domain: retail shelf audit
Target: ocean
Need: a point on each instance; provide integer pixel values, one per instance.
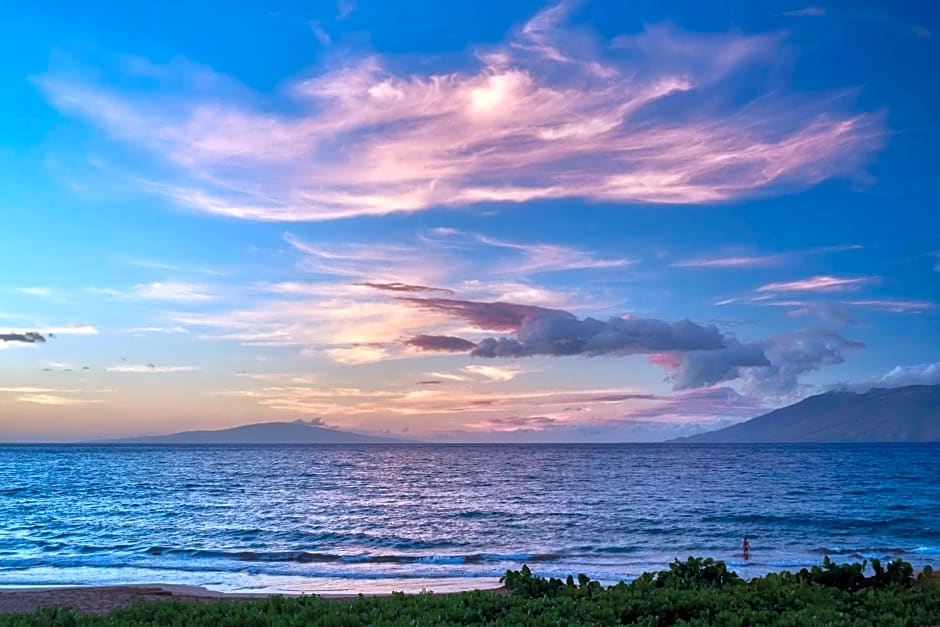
(375, 518)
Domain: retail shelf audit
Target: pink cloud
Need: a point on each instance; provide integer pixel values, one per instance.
(896, 306)
(732, 262)
(670, 361)
(756, 261)
(817, 283)
(440, 343)
(551, 113)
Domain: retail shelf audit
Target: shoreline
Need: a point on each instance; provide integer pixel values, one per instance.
(102, 599)
(95, 599)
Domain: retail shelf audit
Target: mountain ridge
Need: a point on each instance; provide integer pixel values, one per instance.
(904, 414)
(296, 432)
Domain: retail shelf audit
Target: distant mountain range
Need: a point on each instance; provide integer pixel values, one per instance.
(906, 414)
(297, 432)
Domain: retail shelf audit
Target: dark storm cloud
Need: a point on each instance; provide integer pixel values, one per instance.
(697, 355)
(28, 338)
(562, 334)
(440, 343)
(541, 331)
(705, 368)
(772, 367)
(496, 316)
(403, 287)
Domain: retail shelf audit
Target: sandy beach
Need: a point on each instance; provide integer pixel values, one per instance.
(102, 599)
(99, 599)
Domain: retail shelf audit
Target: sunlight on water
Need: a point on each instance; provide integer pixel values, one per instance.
(374, 518)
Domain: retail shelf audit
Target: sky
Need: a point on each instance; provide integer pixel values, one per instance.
(488, 221)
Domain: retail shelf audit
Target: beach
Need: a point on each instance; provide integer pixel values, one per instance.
(697, 591)
(103, 599)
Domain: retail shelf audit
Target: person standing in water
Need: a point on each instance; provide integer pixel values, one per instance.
(746, 548)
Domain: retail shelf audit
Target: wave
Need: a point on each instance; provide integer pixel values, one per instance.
(865, 551)
(305, 557)
(823, 522)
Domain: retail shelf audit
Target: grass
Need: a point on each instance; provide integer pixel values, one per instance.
(695, 592)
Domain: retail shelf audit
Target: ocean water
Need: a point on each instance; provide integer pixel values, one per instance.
(408, 517)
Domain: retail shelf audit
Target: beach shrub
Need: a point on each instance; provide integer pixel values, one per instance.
(898, 573)
(832, 575)
(695, 592)
(697, 572)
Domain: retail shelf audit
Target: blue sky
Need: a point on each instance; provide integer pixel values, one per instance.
(585, 221)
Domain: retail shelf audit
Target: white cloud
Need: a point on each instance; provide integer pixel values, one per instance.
(495, 373)
(823, 283)
(551, 113)
(166, 330)
(150, 369)
(320, 33)
(52, 399)
(900, 376)
(355, 355)
(178, 291)
(46, 293)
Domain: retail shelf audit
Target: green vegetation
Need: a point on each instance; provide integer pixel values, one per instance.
(695, 592)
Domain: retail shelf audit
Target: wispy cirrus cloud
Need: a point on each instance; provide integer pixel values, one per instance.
(757, 261)
(46, 293)
(753, 261)
(859, 14)
(833, 310)
(149, 369)
(553, 112)
(371, 262)
(356, 354)
(811, 11)
(344, 8)
(320, 33)
(163, 265)
(54, 399)
(449, 257)
(440, 344)
(337, 403)
(46, 396)
(820, 283)
(893, 305)
(177, 291)
(403, 287)
(500, 374)
(164, 330)
(351, 327)
(522, 258)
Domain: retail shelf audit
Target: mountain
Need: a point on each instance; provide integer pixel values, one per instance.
(297, 432)
(906, 414)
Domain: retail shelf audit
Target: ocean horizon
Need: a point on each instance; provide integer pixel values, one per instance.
(382, 517)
